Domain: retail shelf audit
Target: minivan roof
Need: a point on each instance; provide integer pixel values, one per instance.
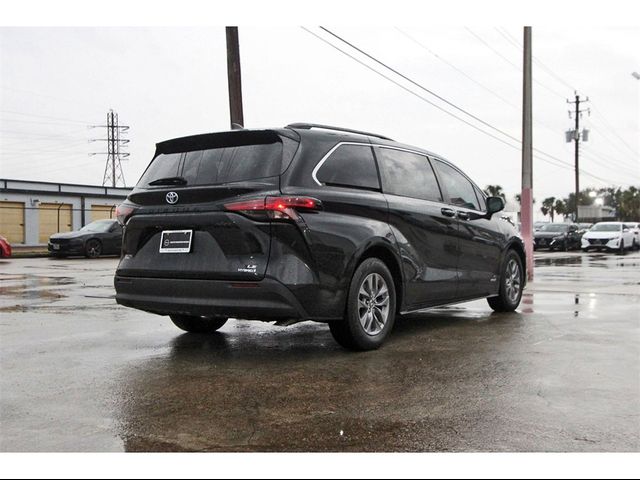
(293, 131)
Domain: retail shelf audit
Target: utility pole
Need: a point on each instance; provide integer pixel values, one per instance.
(526, 203)
(574, 135)
(113, 173)
(234, 78)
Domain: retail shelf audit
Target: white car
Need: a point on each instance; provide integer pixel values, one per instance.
(635, 227)
(609, 236)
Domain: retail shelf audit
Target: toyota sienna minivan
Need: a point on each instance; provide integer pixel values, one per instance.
(310, 222)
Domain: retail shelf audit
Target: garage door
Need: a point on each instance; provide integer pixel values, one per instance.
(12, 221)
(54, 218)
(102, 212)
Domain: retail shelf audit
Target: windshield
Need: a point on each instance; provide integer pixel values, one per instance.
(606, 227)
(554, 227)
(98, 226)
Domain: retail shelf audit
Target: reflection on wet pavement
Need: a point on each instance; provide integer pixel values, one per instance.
(560, 374)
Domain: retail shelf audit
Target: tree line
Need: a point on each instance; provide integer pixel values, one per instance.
(626, 203)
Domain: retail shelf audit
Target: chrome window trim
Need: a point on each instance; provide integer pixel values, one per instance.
(373, 145)
(402, 149)
(328, 154)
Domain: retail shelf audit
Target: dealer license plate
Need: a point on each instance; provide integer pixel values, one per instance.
(176, 241)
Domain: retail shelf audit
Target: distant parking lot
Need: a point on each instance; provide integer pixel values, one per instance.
(80, 373)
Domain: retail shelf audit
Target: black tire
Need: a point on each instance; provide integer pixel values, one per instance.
(372, 300)
(93, 248)
(507, 300)
(621, 248)
(194, 324)
(585, 250)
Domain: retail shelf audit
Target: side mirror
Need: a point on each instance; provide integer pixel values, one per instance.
(494, 205)
(625, 230)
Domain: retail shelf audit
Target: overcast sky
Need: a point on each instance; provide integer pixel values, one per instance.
(166, 82)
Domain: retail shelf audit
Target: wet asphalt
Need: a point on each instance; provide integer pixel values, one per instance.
(80, 373)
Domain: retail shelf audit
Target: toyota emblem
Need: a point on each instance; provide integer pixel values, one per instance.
(172, 198)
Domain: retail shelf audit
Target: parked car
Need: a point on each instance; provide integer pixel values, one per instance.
(584, 226)
(538, 225)
(635, 228)
(5, 247)
(310, 222)
(102, 237)
(609, 236)
(557, 236)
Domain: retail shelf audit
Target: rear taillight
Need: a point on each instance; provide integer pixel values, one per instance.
(123, 212)
(275, 208)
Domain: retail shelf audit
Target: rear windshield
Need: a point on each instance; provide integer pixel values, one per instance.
(219, 165)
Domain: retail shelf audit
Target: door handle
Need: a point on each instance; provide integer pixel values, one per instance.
(447, 212)
(463, 215)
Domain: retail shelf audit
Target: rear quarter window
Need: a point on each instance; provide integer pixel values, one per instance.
(350, 166)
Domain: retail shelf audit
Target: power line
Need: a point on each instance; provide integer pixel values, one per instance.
(507, 36)
(606, 123)
(511, 137)
(407, 89)
(422, 87)
(555, 159)
(486, 44)
(12, 112)
(497, 95)
(442, 59)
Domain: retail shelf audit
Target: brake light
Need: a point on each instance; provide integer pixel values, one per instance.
(274, 207)
(123, 212)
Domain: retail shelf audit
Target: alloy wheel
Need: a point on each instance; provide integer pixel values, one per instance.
(373, 304)
(513, 281)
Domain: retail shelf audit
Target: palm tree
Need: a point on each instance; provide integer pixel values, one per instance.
(560, 207)
(495, 191)
(548, 207)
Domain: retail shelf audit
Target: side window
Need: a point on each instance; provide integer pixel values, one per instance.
(460, 190)
(408, 174)
(350, 166)
(481, 199)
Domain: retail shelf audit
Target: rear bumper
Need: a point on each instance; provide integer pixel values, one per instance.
(266, 299)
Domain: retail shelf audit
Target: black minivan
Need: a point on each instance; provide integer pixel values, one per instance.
(310, 222)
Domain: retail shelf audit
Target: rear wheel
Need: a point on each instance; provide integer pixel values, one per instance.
(371, 308)
(93, 248)
(511, 285)
(194, 324)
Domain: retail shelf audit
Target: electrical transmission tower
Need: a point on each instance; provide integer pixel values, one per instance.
(113, 173)
(576, 135)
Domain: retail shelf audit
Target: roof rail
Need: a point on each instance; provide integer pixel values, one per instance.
(309, 126)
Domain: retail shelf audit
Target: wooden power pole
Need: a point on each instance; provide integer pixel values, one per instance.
(235, 78)
(526, 204)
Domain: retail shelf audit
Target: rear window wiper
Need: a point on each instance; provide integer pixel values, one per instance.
(170, 181)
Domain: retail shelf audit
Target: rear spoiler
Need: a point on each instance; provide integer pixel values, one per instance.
(234, 138)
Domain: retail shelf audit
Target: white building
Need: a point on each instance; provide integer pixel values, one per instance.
(32, 211)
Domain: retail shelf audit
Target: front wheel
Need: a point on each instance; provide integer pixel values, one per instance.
(371, 308)
(511, 285)
(194, 324)
(621, 249)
